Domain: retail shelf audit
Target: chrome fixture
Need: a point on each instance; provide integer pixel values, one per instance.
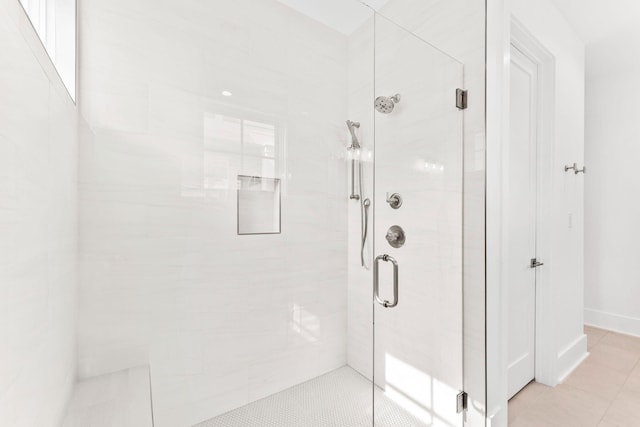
(462, 402)
(376, 281)
(535, 263)
(395, 200)
(355, 144)
(364, 211)
(364, 203)
(395, 236)
(462, 97)
(575, 169)
(386, 104)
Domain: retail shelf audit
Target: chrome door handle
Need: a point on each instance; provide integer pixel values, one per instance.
(535, 263)
(376, 281)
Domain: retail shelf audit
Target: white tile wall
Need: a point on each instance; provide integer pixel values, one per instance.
(38, 230)
(360, 291)
(222, 319)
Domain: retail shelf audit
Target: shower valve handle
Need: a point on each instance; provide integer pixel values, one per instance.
(395, 200)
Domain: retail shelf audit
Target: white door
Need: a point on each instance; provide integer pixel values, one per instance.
(519, 227)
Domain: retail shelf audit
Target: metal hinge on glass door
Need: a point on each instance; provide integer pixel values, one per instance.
(461, 99)
(461, 402)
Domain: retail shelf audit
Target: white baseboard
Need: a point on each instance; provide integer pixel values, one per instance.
(499, 418)
(571, 357)
(612, 322)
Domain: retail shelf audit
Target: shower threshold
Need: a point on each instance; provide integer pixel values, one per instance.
(341, 398)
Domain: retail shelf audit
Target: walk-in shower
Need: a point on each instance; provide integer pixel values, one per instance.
(229, 219)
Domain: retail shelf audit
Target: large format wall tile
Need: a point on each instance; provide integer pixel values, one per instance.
(38, 232)
(222, 319)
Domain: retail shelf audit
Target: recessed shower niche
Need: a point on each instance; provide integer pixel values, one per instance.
(258, 205)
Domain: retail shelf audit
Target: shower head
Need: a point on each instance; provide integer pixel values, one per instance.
(386, 104)
(355, 144)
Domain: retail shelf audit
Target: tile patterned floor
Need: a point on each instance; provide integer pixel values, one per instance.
(603, 392)
(341, 398)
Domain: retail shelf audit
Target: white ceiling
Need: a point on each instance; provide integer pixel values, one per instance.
(610, 31)
(344, 16)
(598, 20)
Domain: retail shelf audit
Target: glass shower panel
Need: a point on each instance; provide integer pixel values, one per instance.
(418, 232)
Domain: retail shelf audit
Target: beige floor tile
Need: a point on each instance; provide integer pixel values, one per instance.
(597, 379)
(524, 398)
(516, 408)
(531, 392)
(625, 410)
(633, 381)
(625, 342)
(614, 357)
(566, 406)
(604, 391)
(531, 420)
(593, 335)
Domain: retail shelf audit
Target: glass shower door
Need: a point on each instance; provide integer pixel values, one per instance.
(418, 341)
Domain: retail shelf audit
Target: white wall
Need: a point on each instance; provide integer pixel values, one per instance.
(222, 319)
(611, 203)
(360, 280)
(38, 230)
(565, 257)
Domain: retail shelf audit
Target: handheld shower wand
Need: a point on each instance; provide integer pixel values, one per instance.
(364, 203)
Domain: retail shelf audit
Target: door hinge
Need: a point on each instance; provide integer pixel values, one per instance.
(461, 99)
(461, 402)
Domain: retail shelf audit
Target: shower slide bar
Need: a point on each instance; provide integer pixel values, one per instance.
(365, 203)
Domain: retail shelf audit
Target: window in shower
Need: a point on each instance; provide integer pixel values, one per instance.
(55, 23)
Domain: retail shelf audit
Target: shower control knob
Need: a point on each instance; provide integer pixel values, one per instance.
(395, 236)
(395, 200)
